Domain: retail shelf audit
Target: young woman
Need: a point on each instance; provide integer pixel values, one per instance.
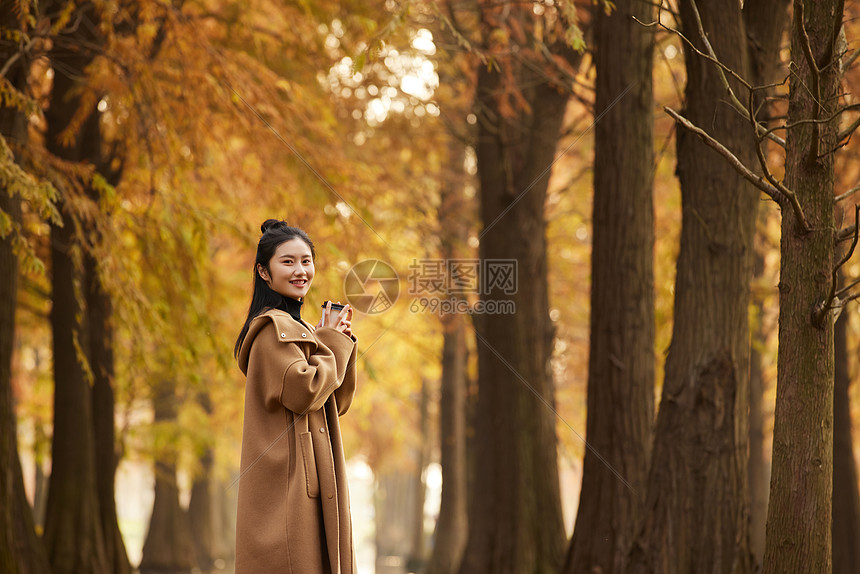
(293, 512)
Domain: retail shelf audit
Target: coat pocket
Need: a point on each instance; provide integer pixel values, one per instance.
(311, 478)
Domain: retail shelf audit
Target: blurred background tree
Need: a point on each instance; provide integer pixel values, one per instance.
(144, 141)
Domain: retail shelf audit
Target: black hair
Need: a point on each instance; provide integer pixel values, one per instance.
(274, 232)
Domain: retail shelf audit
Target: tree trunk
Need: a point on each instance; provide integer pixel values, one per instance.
(168, 548)
(417, 560)
(21, 551)
(620, 409)
(846, 514)
(758, 470)
(395, 502)
(204, 513)
(452, 526)
(73, 532)
(40, 491)
(100, 334)
(517, 525)
(765, 21)
(697, 510)
(95, 339)
(799, 513)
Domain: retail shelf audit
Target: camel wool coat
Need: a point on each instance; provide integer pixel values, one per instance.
(293, 502)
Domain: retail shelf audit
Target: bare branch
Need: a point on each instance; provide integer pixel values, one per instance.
(783, 197)
(814, 72)
(844, 291)
(722, 69)
(851, 298)
(17, 55)
(828, 304)
(761, 158)
(849, 130)
(846, 233)
(847, 194)
(851, 59)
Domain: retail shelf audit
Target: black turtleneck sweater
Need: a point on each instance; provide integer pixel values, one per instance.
(292, 306)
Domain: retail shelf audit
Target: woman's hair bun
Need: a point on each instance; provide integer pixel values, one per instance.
(272, 225)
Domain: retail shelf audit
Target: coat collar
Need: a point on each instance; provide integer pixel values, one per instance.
(287, 329)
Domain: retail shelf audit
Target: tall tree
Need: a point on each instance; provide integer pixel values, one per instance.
(517, 525)
(799, 511)
(453, 523)
(846, 514)
(21, 551)
(696, 513)
(100, 355)
(456, 213)
(169, 546)
(81, 529)
(621, 360)
(207, 498)
(766, 22)
(73, 532)
(758, 470)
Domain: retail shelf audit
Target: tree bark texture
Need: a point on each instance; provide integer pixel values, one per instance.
(21, 550)
(846, 511)
(621, 361)
(799, 512)
(516, 526)
(697, 511)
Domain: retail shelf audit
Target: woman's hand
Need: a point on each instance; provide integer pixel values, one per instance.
(341, 321)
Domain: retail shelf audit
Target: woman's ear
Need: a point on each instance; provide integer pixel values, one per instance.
(263, 273)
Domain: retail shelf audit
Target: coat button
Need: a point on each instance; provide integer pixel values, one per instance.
(283, 334)
(322, 429)
(304, 334)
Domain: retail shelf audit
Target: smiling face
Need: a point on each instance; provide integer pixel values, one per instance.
(291, 269)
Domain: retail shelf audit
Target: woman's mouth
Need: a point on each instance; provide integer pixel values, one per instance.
(300, 282)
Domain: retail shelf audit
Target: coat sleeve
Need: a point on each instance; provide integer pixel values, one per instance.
(308, 381)
(345, 350)
(290, 378)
